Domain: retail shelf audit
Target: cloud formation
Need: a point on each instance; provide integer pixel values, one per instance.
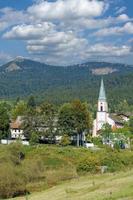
(25, 32)
(68, 9)
(68, 31)
(121, 10)
(4, 56)
(10, 17)
(126, 29)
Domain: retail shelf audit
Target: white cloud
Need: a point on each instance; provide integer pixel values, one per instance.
(74, 50)
(26, 32)
(10, 17)
(109, 50)
(67, 9)
(66, 31)
(43, 11)
(3, 25)
(53, 38)
(126, 29)
(123, 18)
(4, 57)
(92, 23)
(121, 10)
(59, 47)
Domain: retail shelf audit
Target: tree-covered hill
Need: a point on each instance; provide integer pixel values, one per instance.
(22, 77)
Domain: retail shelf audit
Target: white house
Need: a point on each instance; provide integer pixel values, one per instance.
(16, 129)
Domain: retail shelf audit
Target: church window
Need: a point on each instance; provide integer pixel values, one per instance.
(101, 108)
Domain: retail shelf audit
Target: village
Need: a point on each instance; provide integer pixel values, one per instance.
(66, 99)
(109, 127)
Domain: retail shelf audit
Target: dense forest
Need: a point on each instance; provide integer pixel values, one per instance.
(22, 78)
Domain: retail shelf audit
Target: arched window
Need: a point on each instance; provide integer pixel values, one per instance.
(101, 108)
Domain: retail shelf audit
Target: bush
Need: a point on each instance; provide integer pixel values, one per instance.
(34, 139)
(114, 160)
(15, 153)
(11, 182)
(32, 170)
(117, 161)
(97, 141)
(65, 140)
(89, 164)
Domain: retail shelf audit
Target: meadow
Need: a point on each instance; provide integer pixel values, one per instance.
(115, 186)
(26, 170)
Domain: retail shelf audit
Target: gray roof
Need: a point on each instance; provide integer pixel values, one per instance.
(102, 95)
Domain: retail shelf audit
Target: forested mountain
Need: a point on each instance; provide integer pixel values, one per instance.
(22, 77)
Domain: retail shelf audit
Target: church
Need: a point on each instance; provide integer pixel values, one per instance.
(102, 116)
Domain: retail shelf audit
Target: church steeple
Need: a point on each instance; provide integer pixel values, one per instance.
(102, 101)
(102, 112)
(102, 94)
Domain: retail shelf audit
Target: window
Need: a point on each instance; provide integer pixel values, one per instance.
(101, 108)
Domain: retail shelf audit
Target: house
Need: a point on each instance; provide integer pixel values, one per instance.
(125, 116)
(16, 132)
(119, 120)
(16, 129)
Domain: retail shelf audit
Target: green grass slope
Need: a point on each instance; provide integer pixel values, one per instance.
(117, 186)
(39, 168)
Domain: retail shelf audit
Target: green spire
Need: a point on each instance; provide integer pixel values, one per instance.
(102, 95)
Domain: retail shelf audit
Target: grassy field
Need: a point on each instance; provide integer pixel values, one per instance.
(64, 172)
(117, 186)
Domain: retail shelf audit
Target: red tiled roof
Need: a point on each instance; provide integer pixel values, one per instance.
(15, 125)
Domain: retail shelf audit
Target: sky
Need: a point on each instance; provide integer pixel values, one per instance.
(64, 32)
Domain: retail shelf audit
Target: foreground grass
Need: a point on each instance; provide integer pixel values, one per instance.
(48, 167)
(115, 186)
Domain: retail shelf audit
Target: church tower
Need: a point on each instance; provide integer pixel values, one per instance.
(102, 107)
(102, 116)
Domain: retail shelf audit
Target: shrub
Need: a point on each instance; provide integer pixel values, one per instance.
(15, 153)
(11, 183)
(117, 161)
(34, 139)
(65, 140)
(89, 164)
(97, 141)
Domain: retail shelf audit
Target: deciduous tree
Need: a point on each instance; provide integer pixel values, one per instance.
(75, 118)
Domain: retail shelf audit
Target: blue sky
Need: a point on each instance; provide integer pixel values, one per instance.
(63, 32)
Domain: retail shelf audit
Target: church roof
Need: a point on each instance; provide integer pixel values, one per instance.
(116, 118)
(102, 95)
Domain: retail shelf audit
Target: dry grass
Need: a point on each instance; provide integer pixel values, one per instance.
(118, 186)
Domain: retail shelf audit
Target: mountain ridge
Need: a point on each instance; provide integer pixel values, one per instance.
(23, 77)
(20, 59)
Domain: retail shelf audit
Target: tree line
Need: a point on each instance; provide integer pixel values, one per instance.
(46, 120)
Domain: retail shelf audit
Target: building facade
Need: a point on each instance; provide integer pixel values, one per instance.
(16, 129)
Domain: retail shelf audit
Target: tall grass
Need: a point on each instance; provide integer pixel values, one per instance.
(28, 169)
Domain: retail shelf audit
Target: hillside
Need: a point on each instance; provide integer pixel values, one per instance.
(39, 168)
(22, 77)
(98, 187)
